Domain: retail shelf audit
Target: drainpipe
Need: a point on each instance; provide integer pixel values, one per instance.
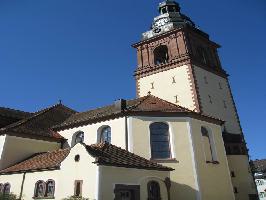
(22, 185)
(126, 132)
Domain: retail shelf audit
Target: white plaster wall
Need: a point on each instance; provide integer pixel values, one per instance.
(184, 180)
(243, 179)
(218, 96)
(209, 173)
(15, 181)
(2, 143)
(64, 178)
(91, 132)
(118, 175)
(165, 89)
(17, 149)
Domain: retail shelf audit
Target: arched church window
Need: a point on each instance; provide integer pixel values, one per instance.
(159, 136)
(6, 189)
(161, 55)
(106, 134)
(1, 188)
(154, 191)
(207, 144)
(40, 187)
(78, 137)
(50, 188)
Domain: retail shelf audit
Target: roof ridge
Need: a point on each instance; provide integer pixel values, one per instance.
(23, 121)
(17, 110)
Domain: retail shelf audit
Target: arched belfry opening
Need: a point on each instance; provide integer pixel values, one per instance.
(161, 55)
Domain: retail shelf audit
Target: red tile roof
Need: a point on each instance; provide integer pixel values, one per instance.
(111, 155)
(148, 104)
(104, 154)
(38, 162)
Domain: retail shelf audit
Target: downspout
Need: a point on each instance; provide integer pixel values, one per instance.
(126, 132)
(22, 186)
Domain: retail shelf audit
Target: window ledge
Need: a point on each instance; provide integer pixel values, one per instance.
(169, 160)
(213, 162)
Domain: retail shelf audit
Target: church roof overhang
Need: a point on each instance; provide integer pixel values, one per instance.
(145, 106)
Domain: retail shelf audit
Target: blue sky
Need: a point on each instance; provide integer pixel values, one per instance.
(80, 51)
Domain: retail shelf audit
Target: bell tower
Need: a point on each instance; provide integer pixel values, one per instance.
(178, 62)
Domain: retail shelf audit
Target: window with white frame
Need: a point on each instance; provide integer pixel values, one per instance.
(50, 188)
(160, 141)
(40, 189)
(106, 134)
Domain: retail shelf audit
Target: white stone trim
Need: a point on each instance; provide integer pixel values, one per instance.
(194, 163)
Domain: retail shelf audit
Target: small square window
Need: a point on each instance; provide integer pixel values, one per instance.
(210, 99)
(173, 80)
(152, 85)
(233, 174)
(235, 190)
(206, 80)
(220, 86)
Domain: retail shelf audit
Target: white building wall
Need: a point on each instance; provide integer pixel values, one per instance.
(164, 87)
(2, 143)
(16, 149)
(92, 132)
(215, 98)
(127, 176)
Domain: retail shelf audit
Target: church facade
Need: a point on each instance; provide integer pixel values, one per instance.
(180, 138)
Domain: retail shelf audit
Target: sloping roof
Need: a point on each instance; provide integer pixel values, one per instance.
(104, 154)
(146, 104)
(40, 123)
(12, 113)
(259, 165)
(40, 161)
(111, 155)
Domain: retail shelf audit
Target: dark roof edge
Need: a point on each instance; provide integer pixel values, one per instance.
(140, 113)
(31, 170)
(36, 114)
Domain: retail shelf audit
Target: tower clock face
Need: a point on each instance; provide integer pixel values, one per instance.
(161, 22)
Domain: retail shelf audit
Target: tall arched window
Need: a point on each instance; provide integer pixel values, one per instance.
(1, 188)
(50, 188)
(159, 136)
(161, 55)
(7, 188)
(154, 191)
(40, 188)
(78, 137)
(207, 144)
(106, 134)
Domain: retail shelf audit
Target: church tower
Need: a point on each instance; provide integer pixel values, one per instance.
(179, 63)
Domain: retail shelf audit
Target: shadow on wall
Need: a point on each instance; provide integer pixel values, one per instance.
(180, 191)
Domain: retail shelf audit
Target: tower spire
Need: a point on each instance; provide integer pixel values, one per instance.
(169, 18)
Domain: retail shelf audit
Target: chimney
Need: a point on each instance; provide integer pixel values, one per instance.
(120, 104)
